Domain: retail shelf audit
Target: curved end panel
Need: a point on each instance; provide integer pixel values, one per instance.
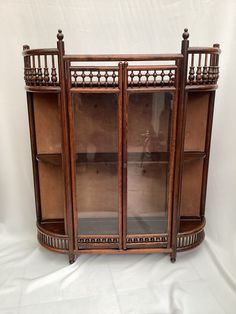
(54, 242)
(190, 239)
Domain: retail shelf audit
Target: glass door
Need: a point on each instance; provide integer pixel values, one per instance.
(148, 161)
(121, 163)
(96, 129)
(95, 114)
(148, 156)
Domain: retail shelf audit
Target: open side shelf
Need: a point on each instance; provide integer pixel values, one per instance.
(52, 235)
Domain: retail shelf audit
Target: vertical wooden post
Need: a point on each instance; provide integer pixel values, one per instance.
(125, 142)
(30, 106)
(26, 64)
(181, 117)
(120, 155)
(65, 148)
(214, 63)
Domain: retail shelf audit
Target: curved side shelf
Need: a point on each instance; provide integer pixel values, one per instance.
(43, 89)
(200, 88)
(191, 238)
(59, 243)
(52, 241)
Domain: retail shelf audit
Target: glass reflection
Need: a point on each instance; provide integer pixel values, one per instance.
(148, 161)
(96, 142)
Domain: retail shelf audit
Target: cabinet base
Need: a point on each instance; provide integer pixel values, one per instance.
(186, 240)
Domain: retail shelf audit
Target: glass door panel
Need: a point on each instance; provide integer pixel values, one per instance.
(149, 128)
(96, 148)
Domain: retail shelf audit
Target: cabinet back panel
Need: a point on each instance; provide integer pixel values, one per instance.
(96, 146)
(196, 121)
(47, 123)
(51, 191)
(148, 118)
(97, 193)
(96, 123)
(97, 190)
(191, 188)
(147, 189)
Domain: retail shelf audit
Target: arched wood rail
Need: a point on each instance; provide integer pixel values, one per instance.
(59, 243)
(41, 69)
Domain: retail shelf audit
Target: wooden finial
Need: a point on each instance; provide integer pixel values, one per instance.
(60, 36)
(185, 34)
(25, 47)
(216, 45)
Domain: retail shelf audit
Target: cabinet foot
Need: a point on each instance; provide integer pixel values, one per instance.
(72, 258)
(173, 257)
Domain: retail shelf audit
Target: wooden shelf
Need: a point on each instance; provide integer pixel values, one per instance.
(43, 89)
(53, 226)
(200, 88)
(55, 159)
(190, 225)
(109, 226)
(192, 155)
(57, 226)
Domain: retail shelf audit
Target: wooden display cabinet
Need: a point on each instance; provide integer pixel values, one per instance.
(120, 151)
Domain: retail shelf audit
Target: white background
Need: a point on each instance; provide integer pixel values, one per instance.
(33, 280)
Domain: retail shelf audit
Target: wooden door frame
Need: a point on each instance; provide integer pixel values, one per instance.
(70, 92)
(172, 149)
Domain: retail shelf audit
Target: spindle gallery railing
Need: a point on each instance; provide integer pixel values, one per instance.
(151, 76)
(41, 67)
(203, 65)
(94, 76)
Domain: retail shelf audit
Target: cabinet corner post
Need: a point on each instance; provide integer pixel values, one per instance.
(181, 117)
(65, 147)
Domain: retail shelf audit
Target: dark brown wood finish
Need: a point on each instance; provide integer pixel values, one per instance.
(51, 71)
(179, 144)
(120, 154)
(123, 57)
(125, 142)
(207, 151)
(83, 242)
(34, 154)
(33, 141)
(68, 217)
(172, 162)
(72, 153)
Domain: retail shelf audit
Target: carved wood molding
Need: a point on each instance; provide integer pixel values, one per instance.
(189, 241)
(54, 242)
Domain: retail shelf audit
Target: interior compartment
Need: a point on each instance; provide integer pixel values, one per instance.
(147, 197)
(51, 191)
(149, 116)
(97, 198)
(191, 188)
(96, 123)
(149, 122)
(196, 121)
(96, 145)
(47, 123)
